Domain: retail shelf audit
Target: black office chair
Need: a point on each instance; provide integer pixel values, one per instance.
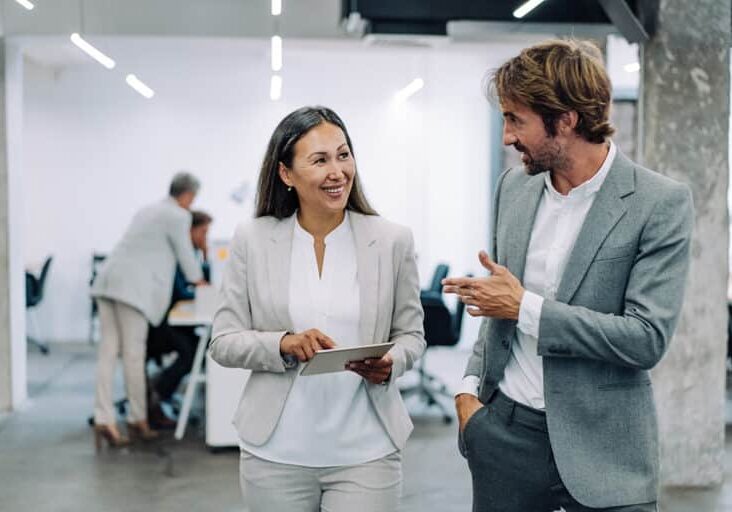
(97, 260)
(440, 273)
(441, 328)
(34, 288)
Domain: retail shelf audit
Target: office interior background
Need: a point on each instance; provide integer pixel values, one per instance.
(83, 151)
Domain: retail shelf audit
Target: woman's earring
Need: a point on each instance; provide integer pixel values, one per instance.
(289, 189)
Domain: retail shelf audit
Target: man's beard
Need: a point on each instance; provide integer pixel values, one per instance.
(546, 158)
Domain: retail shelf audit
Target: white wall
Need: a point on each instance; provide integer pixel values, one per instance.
(12, 338)
(95, 151)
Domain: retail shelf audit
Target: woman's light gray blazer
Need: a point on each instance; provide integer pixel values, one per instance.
(253, 317)
(140, 269)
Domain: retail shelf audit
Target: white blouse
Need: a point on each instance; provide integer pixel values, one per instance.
(328, 419)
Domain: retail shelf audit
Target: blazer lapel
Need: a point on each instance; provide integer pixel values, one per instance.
(518, 233)
(368, 268)
(279, 252)
(607, 209)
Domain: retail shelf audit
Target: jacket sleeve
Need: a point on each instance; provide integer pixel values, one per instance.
(234, 343)
(640, 336)
(475, 362)
(407, 329)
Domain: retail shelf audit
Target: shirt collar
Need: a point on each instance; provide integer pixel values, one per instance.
(589, 187)
(341, 231)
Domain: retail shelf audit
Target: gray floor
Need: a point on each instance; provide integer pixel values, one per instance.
(48, 462)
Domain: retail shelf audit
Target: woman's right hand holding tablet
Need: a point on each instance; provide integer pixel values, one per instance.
(304, 345)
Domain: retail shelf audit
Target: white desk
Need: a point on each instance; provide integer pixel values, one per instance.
(223, 385)
(187, 314)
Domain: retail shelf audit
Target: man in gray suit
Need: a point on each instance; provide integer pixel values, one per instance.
(589, 258)
(133, 290)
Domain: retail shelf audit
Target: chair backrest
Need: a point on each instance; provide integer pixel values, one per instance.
(440, 273)
(97, 259)
(437, 322)
(34, 286)
(457, 319)
(31, 290)
(43, 276)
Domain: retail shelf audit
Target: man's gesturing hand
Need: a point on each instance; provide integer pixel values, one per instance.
(498, 295)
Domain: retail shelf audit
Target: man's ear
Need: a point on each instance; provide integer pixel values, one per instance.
(284, 173)
(567, 122)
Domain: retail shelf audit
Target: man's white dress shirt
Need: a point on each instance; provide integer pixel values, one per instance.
(558, 221)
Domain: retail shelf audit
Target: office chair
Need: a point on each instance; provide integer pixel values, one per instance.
(441, 328)
(34, 288)
(97, 260)
(440, 273)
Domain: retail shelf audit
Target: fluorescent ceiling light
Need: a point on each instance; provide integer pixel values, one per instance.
(413, 86)
(526, 8)
(275, 87)
(633, 67)
(91, 51)
(276, 53)
(26, 3)
(139, 86)
(276, 7)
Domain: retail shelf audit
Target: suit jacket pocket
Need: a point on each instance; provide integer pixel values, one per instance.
(616, 252)
(625, 384)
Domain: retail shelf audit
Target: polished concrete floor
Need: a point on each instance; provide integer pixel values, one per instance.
(48, 461)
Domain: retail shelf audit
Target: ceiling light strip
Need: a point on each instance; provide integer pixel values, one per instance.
(276, 7)
(411, 88)
(92, 51)
(26, 3)
(526, 8)
(139, 86)
(276, 51)
(275, 88)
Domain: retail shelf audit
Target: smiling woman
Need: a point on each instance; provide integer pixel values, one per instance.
(309, 132)
(308, 274)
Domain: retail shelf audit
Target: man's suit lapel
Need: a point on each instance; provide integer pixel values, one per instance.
(607, 209)
(279, 252)
(522, 213)
(368, 268)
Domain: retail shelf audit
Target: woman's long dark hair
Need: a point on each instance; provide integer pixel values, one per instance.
(272, 198)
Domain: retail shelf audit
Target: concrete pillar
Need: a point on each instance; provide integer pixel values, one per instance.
(13, 381)
(685, 134)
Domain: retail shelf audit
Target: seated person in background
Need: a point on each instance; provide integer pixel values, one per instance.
(182, 340)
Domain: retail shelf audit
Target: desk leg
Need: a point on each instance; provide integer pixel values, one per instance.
(194, 378)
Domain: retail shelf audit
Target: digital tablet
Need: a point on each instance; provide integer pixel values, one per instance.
(335, 359)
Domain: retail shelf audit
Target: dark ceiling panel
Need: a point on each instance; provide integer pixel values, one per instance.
(431, 16)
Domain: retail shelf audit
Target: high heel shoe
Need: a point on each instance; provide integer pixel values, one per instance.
(141, 431)
(111, 435)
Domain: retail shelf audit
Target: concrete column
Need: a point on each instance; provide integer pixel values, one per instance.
(685, 135)
(13, 381)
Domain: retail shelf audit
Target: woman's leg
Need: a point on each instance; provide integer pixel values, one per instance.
(374, 486)
(104, 413)
(133, 336)
(272, 487)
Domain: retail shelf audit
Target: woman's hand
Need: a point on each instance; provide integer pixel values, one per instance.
(305, 344)
(376, 371)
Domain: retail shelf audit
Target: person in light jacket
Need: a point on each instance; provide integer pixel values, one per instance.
(133, 289)
(318, 268)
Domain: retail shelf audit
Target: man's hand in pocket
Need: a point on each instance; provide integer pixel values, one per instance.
(466, 405)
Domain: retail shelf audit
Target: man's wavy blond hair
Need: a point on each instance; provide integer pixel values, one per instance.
(555, 77)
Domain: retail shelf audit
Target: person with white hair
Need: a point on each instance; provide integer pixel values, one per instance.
(132, 290)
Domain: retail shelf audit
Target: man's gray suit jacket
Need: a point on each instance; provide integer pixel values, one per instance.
(611, 321)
